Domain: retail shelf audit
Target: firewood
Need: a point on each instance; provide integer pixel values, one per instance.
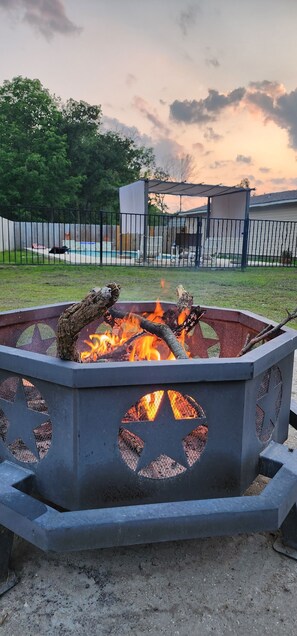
(185, 299)
(190, 321)
(268, 332)
(157, 329)
(81, 314)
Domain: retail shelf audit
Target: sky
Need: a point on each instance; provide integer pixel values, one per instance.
(211, 85)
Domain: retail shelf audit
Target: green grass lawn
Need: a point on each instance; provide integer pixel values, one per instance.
(268, 292)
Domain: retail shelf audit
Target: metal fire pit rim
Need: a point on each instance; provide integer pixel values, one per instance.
(48, 529)
(76, 375)
(234, 315)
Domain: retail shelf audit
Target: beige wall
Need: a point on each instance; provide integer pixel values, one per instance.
(275, 213)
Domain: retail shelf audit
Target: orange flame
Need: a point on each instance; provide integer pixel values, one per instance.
(139, 347)
(146, 408)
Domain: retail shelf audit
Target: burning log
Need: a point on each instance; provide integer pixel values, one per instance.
(134, 336)
(184, 317)
(185, 299)
(157, 329)
(265, 334)
(81, 314)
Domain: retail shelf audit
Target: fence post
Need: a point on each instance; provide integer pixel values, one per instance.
(101, 237)
(146, 221)
(198, 243)
(245, 232)
(245, 244)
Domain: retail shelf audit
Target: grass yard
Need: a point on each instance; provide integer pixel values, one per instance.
(265, 291)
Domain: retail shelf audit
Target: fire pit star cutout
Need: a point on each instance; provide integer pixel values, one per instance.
(202, 342)
(269, 404)
(37, 341)
(164, 435)
(22, 420)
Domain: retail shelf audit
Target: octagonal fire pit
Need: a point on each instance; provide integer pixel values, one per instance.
(119, 453)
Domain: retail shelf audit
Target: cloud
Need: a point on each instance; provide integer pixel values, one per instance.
(278, 180)
(271, 100)
(198, 146)
(243, 159)
(46, 16)
(285, 182)
(131, 79)
(270, 88)
(218, 164)
(205, 110)
(211, 135)
(151, 114)
(213, 61)
(264, 170)
(187, 18)
(163, 147)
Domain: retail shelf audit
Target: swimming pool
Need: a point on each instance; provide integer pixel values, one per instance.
(105, 253)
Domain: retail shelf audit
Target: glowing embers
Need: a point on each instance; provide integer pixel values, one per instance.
(163, 434)
(268, 403)
(25, 427)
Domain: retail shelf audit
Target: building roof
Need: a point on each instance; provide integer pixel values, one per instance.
(156, 186)
(274, 198)
(262, 200)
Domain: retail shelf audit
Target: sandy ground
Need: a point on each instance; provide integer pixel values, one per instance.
(230, 585)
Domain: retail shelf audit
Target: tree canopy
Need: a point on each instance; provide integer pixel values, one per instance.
(57, 155)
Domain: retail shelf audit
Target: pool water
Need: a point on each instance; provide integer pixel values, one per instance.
(113, 253)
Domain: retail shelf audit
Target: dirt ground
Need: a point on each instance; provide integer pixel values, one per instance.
(230, 585)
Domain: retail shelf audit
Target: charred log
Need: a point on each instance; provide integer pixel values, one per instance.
(72, 321)
(185, 299)
(157, 329)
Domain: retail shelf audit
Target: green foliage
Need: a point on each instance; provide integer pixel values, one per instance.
(34, 167)
(55, 155)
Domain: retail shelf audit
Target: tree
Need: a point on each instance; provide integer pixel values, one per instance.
(54, 154)
(104, 161)
(157, 203)
(180, 168)
(34, 167)
(245, 183)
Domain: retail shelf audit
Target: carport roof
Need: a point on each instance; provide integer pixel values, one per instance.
(156, 186)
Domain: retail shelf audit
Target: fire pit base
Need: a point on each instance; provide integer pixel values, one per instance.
(50, 529)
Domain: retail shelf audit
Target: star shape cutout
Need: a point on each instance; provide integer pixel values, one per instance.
(37, 343)
(201, 342)
(22, 420)
(268, 405)
(164, 435)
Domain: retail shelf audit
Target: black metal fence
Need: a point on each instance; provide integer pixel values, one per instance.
(76, 237)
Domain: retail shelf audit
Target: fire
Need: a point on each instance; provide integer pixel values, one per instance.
(146, 408)
(129, 341)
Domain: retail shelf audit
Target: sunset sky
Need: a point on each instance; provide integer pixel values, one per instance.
(215, 79)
